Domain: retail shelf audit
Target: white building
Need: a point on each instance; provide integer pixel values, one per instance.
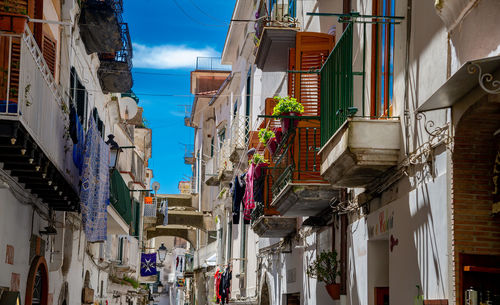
(392, 165)
(50, 66)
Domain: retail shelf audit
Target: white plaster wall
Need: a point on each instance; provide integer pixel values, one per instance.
(421, 257)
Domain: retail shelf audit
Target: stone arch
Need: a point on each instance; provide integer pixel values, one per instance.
(187, 234)
(474, 151)
(64, 295)
(39, 273)
(265, 295)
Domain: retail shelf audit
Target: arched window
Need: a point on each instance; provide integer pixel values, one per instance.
(37, 287)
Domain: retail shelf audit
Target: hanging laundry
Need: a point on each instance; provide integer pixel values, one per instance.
(164, 210)
(239, 185)
(94, 193)
(78, 139)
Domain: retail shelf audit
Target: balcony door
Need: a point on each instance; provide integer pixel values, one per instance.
(382, 76)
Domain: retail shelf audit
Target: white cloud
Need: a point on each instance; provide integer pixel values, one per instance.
(169, 56)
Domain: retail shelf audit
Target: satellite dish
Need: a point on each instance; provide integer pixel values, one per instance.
(128, 108)
(156, 186)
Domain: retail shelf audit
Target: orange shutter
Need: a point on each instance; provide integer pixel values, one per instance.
(312, 50)
(49, 49)
(15, 61)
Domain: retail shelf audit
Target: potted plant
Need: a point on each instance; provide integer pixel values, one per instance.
(287, 106)
(268, 138)
(258, 161)
(12, 20)
(325, 269)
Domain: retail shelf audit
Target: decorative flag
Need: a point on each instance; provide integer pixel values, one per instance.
(149, 207)
(148, 264)
(94, 192)
(164, 209)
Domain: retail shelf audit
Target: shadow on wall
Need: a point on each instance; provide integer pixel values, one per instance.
(473, 39)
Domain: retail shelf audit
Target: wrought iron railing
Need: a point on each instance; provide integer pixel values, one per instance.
(36, 100)
(125, 54)
(188, 151)
(276, 13)
(240, 127)
(337, 86)
(298, 161)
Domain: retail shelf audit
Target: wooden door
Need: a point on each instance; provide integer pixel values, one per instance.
(381, 295)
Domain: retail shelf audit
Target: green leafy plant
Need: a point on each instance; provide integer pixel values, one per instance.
(265, 134)
(132, 281)
(257, 159)
(325, 267)
(287, 104)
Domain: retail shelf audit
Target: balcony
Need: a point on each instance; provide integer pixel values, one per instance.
(239, 138)
(294, 184)
(276, 33)
(33, 120)
(266, 225)
(189, 157)
(355, 149)
(115, 69)
(99, 25)
(224, 164)
(211, 172)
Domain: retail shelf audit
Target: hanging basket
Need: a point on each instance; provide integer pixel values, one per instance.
(272, 144)
(14, 23)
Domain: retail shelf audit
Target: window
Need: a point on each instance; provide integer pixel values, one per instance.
(98, 121)
(79, 95)
(382, 60)
(222, 137)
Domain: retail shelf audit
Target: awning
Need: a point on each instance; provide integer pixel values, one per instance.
(471, 74)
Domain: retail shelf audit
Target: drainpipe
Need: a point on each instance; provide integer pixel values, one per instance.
(407, 119)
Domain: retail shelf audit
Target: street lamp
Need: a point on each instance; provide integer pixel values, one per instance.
(162, 253)
(114, 150)
(160, 286)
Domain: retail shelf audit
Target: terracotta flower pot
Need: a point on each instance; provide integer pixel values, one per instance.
(259, 169)
(12, 22)
(272, 144)
(288, 123)
(333, 290)
(278, 134)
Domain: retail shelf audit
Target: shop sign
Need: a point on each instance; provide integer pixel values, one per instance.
(384, 224)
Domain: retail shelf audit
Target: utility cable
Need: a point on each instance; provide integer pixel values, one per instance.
(194, 19)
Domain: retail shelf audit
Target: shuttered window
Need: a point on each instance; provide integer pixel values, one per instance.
(49, 49)
(311, 52)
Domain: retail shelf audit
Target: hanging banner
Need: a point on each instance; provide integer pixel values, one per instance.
(148, 264)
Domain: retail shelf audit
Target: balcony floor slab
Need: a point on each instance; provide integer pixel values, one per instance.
(274, 226)
(304, 199)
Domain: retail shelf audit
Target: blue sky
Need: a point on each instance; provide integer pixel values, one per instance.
(167, 36)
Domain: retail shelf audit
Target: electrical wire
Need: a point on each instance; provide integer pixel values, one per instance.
(194, 19)
(205, 13)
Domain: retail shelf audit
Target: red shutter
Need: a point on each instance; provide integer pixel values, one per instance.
(14, 68)
(49, 49)
(312, 50)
